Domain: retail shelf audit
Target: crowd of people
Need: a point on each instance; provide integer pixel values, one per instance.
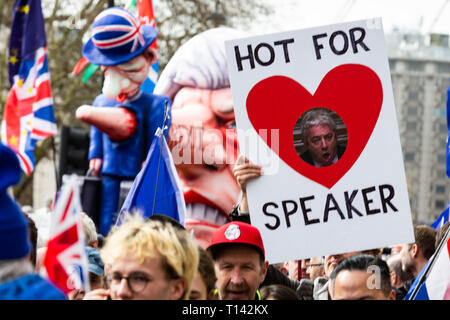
(157, 258)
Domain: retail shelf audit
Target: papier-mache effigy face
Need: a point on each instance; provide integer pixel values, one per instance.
(203, 137)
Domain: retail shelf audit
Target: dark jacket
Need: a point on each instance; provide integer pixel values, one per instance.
(304, 287)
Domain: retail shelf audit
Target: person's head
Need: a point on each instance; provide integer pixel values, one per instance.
(361, 277)
(278, 292)
(441, 233)
(90, 231)
(415, 255)
(292, 269)
(319, 136)
(315, 268)
(376, 252)
(204, 281)
(96, 269)
(332, 260)
(120, 44)
(239, 260)
(304, 268)
(398, 275)
(281, 266)
(395, 249)
(166, 219)
(149, 260)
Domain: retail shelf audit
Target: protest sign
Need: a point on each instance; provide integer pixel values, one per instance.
(329, 188)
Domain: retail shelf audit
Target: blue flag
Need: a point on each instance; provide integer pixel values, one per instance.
(150, 83)
(433, 281)
(28, 113)
(448, 133)
(443, 218)
(27, 36)
(157, 189)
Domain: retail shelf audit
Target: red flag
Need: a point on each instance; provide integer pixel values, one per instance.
(146, 16)
(65, 262)
(79, 66)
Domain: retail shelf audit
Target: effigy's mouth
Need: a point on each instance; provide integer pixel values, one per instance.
(204, 214)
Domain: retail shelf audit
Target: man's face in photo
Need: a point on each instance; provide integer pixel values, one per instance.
(239, 271)
(322, 144)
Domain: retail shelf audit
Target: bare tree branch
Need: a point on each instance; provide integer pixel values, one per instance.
(68, 21)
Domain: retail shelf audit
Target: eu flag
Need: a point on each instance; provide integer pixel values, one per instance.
(448, 135)
(28, 113)
(27, 35)
(442, 219)
(157, 189)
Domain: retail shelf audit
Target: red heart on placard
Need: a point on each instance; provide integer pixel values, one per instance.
(353, 91)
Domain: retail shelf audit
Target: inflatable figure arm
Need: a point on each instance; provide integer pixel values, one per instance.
(118, 123)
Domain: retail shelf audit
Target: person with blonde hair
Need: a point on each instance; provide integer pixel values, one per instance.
(147, 260)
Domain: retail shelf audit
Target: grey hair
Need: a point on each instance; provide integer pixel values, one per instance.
(14, 268)
(201, 62)
(316, 117)
(90, 231)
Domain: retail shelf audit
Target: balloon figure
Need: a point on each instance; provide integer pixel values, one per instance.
(123, 118)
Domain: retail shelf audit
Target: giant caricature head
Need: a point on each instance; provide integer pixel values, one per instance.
(203, 136)
(120, 44)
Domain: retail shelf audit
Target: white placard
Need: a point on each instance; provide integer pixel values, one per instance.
(361, 201)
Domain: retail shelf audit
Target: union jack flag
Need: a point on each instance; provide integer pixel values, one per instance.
(65, 262)
(146, 16)
(28, 115)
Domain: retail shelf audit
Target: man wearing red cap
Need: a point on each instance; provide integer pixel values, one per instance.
(239, 261)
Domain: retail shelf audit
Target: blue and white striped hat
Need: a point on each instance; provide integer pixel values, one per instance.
(117, 37)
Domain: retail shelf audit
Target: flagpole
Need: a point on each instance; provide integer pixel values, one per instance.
(166, 114)
(430, 265)
(54, 163)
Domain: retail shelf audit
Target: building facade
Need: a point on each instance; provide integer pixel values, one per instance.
(420, 78)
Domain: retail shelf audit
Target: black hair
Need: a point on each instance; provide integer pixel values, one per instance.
(33, 234)
(166, 219)
(363, 262)
(278, 292)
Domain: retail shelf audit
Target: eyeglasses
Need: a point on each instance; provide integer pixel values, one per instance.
(314, 264)
(136, 281)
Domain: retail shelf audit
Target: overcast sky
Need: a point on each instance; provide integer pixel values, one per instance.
(424, 15)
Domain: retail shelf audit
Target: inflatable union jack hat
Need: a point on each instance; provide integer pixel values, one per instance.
(239, 233)
(117, 37)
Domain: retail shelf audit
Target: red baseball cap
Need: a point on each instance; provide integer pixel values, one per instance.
(237, 232)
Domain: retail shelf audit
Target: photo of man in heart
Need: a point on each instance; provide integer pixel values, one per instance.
(320, 137)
